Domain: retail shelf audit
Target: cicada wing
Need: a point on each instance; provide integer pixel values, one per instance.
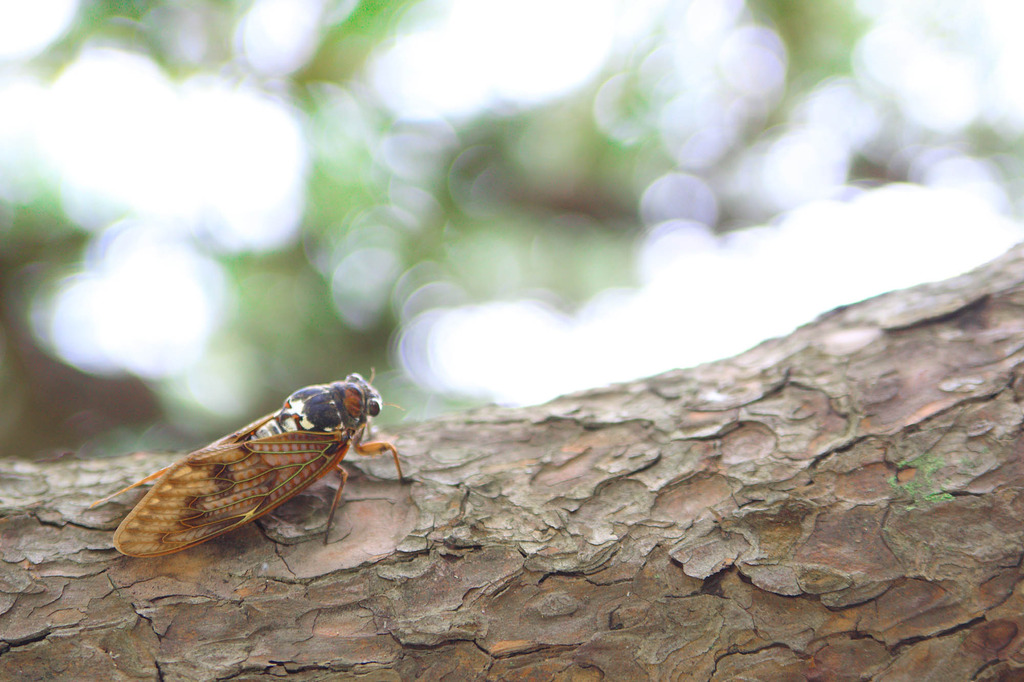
(240, 435)
(224, 486)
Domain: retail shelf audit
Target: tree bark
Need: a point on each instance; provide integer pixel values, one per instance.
(844, 503)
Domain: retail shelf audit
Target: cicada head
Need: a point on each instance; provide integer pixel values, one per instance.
(329, 407)
(361, 400)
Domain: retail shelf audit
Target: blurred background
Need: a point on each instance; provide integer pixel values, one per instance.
(205, 205)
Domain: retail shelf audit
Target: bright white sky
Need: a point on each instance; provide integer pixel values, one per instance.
(227, 161)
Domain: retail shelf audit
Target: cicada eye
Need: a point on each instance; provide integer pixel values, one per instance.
(373, 407)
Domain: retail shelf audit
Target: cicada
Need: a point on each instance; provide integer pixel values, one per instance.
(244, 475)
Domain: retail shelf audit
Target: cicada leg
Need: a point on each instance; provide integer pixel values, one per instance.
(334, 504)
(367, 450)
(376, 448)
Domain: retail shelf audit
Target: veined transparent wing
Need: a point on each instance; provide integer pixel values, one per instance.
(226, 485)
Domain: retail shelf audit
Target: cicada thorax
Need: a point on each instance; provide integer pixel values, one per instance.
(342, 405)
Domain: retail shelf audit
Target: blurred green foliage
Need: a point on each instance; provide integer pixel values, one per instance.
(514, 200)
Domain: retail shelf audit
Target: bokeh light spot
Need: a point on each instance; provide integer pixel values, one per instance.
(146, 303)
(482, 54)
(279, 36)
(677, 196)
(362, 285)
(206, 154)
(26, 28)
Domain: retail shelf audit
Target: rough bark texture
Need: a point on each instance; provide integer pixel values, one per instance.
(842, 504)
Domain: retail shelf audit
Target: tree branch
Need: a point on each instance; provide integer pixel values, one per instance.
(842, 503)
